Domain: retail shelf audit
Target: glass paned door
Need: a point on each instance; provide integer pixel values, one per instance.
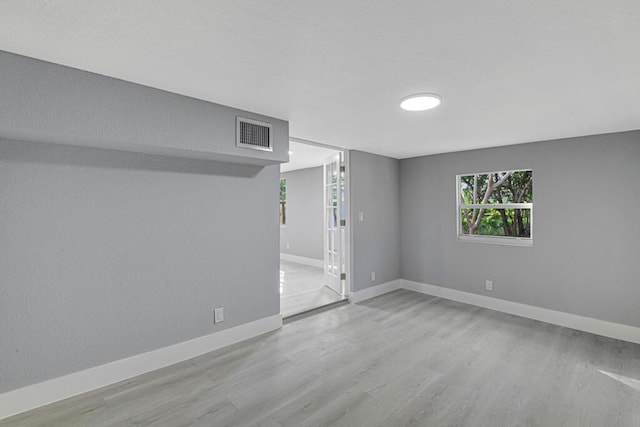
(334, 212)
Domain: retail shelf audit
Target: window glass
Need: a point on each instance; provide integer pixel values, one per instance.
(495, 204)
(283, 201)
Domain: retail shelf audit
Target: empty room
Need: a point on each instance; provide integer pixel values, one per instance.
(462, 252)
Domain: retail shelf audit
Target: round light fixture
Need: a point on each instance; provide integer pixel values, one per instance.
(420, 102)
(289, 152)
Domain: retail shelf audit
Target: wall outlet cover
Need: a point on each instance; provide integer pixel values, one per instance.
(489, 285)
(218, 315)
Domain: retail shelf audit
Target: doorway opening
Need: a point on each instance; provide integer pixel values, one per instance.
(313, 230)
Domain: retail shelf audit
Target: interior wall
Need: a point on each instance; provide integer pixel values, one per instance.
(45, 102)
(375, 181)
(303, 234)
(584, 258)
(107, 254)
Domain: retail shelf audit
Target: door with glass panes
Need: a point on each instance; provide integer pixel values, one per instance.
(334, 223)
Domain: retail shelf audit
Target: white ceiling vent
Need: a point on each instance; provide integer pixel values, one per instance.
(253, 134)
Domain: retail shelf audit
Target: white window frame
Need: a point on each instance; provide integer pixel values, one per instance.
(495, 240)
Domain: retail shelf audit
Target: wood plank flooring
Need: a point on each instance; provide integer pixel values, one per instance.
(402, 359)
(302, 288)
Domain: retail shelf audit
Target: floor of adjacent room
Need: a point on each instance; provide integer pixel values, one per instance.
(302, 288)
(400, 359)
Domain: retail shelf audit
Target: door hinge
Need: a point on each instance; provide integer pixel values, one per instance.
(343, 222)
(343, 169)
(343, 276)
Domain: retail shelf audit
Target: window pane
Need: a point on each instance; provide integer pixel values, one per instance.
(283, 190)
(497, 187)
(496, 222)
(283, 201)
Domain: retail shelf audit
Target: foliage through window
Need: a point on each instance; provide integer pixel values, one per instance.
(283, 201)
(497, 205)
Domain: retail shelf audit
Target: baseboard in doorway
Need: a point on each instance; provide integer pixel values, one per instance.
(374, 291)
(311, 311)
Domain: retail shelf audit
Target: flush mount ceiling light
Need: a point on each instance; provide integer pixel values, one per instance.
(420, 102)
(289, 152)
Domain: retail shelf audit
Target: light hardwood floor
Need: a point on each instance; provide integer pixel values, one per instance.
(302, 288)
(402, 359)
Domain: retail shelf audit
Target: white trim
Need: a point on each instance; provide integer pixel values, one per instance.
(317, 144)
(494, 240)
(498, 171)
(568, 320)
(581, 323)
(303, 260)
(526, 242)
(348, 252)
(374, 291)
(496, 206)
(44, 393)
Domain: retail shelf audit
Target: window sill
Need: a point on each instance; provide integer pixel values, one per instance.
(506, 241)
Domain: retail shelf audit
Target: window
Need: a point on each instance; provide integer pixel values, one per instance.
(283, 201)
(496, 207)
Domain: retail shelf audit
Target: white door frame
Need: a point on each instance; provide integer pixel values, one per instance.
(348, 247)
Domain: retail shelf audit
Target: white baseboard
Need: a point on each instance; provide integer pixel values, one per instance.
(36, 395)
(568, 320)
(375, 291)
(303, 260)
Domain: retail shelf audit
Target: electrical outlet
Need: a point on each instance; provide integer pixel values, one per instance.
(288, 246)
(488, 285)
(218, 315)
(360, 216)
(373, 276)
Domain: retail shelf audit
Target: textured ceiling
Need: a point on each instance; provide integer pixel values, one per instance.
(508, 71)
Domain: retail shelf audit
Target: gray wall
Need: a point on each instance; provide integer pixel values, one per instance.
(374, 185)
(107, 254)
(304, 231)
(585, 256)
(45, 102)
